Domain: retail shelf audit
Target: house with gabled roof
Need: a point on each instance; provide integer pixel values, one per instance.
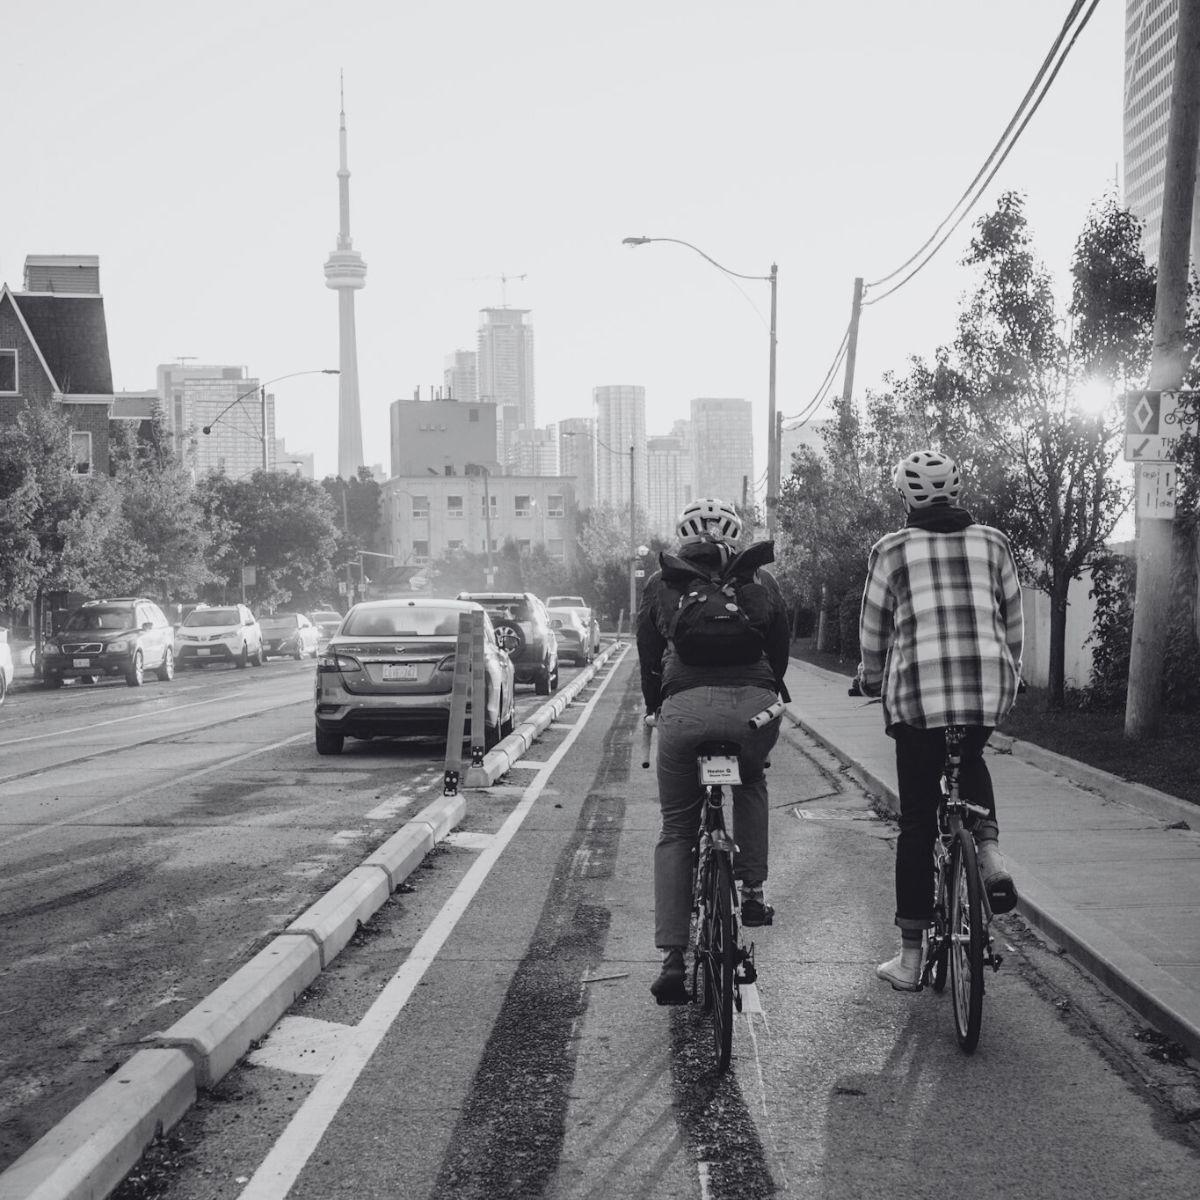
(54, 350)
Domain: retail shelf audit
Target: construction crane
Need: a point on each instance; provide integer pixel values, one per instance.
(503, 284)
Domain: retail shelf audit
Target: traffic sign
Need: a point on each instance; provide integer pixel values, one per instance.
(1156, 490)
(1154, 423)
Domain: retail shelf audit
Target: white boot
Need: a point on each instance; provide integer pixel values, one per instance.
(904, 971)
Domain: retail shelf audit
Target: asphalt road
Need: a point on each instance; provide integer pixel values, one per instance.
(490, 1032)
(151, 841)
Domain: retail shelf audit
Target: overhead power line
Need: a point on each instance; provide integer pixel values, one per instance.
(1045, 77)
(819, 395)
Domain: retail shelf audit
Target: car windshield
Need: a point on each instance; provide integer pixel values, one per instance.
(280, 621)
(403, 620)
(86, 619)
(506, 610)
(212, 616)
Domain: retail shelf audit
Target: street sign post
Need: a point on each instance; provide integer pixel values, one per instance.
(1156, 490)
(1154, 423)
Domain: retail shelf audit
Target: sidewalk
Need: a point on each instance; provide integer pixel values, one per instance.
(1103, 868)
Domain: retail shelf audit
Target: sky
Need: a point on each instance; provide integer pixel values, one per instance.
(194, 148)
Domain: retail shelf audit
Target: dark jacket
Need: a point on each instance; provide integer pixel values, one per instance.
(663, 674)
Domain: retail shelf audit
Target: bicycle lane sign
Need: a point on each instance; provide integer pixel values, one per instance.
(1154, 423)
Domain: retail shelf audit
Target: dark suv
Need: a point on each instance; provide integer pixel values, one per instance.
(523, 628)
(127, 635)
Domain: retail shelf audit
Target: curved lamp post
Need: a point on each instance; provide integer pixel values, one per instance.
(262, 391)
(773, 448)
(633, 554)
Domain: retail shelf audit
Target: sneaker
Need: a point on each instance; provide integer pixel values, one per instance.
(997, 882)
(903, 972)
(671, 985)
(755, 910)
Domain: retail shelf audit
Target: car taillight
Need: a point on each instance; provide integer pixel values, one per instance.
(338, 662)
(447, 664)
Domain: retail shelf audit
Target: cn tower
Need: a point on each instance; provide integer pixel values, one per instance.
(346, 272)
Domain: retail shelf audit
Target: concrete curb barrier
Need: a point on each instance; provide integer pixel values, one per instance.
(502, 756)
(97, 1143)
(89, 1152)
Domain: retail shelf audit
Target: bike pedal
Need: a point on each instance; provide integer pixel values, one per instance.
(748, 974)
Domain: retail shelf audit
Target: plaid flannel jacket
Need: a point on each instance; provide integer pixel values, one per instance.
(941, 627)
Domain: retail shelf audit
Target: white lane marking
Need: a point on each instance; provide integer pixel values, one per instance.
(702, 1171)
(470, 841)
(390, 808)
(301, 1045)
(149, 791)
(344, 837)
(291, 1151)
(751, 1001)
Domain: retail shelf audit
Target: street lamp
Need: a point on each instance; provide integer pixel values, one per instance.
(262, 391)
(773, 433)
(633, 554)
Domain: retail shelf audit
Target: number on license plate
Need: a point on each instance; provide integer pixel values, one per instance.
(393, 671)
(202, 650)
(714, 769)
(81, 662)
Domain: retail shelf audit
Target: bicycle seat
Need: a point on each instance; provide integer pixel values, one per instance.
(718, 749)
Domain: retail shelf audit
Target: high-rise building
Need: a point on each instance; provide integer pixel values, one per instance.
(620, 424)
(535, 452)
(723, 449)
(504, 368)
(461, 376)
(230, 405)
(346, 273)
(669, 483)
(577, 457)
(1150, 27)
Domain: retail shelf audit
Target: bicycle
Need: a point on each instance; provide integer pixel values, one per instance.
(723, 964)
(959, 944)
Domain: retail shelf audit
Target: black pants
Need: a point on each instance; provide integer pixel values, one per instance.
(920, 756)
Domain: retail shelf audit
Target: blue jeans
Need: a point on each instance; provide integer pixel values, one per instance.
(685, 720)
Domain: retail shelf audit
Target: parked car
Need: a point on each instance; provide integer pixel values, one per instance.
(124, 635)
(219, 633)
(390, 670)
(523, 629)
(327, 621)
(573, 637)
(585, 614)
(289, 635)
(6, 665)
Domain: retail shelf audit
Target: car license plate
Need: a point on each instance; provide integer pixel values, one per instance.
(718, 769)
(203, 650)
(399, 671)
(81, 662)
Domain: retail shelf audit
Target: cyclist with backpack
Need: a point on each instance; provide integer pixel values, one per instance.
(713, 639)
(940, 633)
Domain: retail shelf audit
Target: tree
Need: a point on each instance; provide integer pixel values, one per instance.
(281, 524)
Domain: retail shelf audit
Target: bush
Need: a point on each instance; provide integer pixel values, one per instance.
(847, 623)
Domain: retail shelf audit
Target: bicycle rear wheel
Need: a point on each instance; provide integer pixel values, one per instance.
(966, 941)
(938, 944)
(716, 950)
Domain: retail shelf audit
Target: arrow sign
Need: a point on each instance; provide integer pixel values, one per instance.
(1136, 452)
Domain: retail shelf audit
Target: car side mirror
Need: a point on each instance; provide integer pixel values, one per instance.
(147, 624)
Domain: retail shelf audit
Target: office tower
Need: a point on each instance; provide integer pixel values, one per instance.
(535, 452)
(346, 273)
(1149, 68)
(229, 404)
(723, 449)
(669, 483)
(620, 423)
(577, 457)
(505, 373)
(461, 377)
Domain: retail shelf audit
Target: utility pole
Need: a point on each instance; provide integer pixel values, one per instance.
(772, 424)
(852, 340)
(1144, 700)
(262, 393)
(632, 548)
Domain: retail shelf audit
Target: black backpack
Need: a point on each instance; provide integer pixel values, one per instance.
(721, 619)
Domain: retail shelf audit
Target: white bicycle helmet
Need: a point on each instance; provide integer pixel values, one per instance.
(926, 478)
(703, 519)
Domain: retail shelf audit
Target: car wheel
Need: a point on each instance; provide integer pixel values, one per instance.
(329, 743)
(3, 686)
(260, 657)
(136, 674)
(88, 678)
(51, 680)
(242, 659)
(167, 671)
(491, 736)
(507, 726)
(541, 682)
(299, 652)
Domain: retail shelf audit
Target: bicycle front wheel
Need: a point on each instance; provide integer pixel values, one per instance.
(966, 941)
(717, 953)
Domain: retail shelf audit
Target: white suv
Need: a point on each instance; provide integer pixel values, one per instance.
(219, 633)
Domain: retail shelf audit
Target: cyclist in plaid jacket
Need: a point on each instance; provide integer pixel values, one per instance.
(940, 633)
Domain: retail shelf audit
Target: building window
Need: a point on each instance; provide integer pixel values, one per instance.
(523, 545)
(81, 452)
(554, 506)
(454, 507)
(486, 502)
(420, 506)
(555, 549)
(455, 544)
(522, 507)
(8, 371)
(420, 552)
(473, 416)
